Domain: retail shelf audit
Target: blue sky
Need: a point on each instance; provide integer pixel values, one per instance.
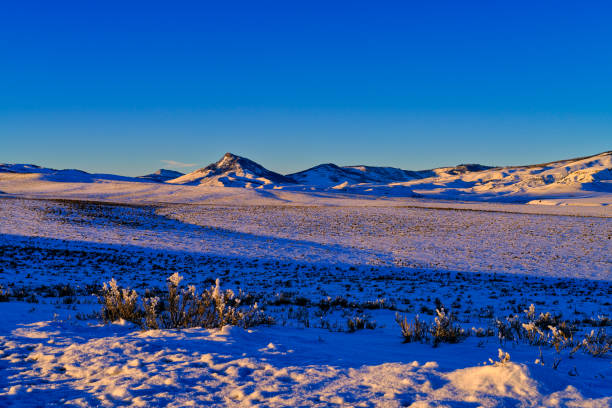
(124, 86)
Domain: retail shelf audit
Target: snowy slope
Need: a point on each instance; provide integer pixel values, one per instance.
(581, 177)
(24, 168)
(31, 171)
(588, 179)
(386, 174)
(233, 171)
(329, 174)
(460, 169)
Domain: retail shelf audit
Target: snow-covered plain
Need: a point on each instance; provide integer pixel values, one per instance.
(71, 364)
(361, 256)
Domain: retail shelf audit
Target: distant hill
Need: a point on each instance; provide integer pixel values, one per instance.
(329, 174)
(162, 175)
(66, 175)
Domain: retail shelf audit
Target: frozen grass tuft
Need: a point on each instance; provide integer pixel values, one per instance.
(412, 332)
(5, 294)
(119, 303)
(597, 344)
(552, 331)
(360, 323)
(442, 330)
(540, 330)
(182, 307)
(503, 358)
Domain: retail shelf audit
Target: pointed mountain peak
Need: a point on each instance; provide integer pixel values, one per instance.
(233, 170)
(230, 159)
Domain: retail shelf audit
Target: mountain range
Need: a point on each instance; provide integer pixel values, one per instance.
(236, 171)
(583, 176)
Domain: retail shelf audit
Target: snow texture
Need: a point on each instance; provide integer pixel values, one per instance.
(118, 366)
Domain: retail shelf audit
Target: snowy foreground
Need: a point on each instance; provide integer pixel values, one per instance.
(74, 364)
(313, 268)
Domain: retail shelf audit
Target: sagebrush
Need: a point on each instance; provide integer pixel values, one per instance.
(181, 307)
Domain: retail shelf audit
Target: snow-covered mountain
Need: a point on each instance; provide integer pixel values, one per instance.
(65, 176)
(385, 174)
(579, 177)
(329, 174)
(583, 179)
(162, 175)
(24, 168)
(233, 171)
(576, 177)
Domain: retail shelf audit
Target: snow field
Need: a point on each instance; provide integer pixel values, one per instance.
(312, 269)
(117, 366)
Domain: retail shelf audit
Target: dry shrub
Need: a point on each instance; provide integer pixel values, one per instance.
(415, 331)
(185, 307)
(360, 323)
(444, 329)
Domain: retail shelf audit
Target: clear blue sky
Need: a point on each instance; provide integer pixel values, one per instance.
(122, 86)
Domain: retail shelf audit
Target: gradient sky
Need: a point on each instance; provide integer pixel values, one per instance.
(122, 86)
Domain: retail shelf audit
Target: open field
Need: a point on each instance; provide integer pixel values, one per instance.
(321, 272)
